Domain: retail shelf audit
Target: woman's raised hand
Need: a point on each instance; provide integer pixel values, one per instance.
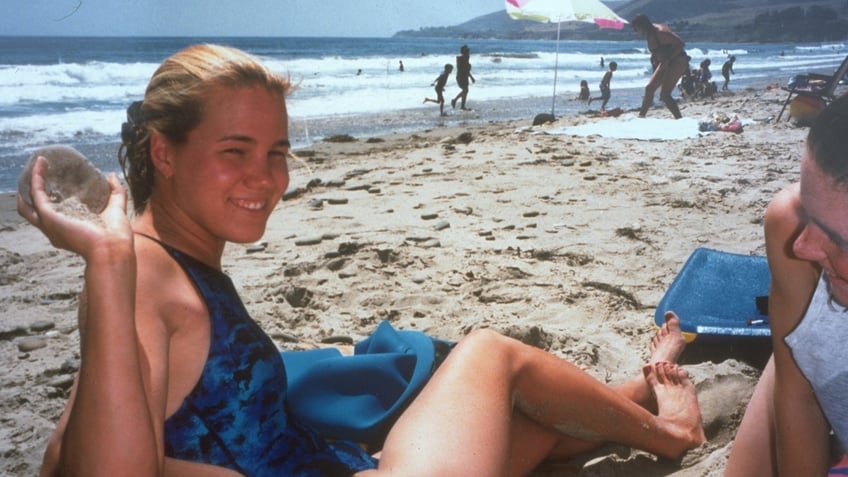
(76, 232)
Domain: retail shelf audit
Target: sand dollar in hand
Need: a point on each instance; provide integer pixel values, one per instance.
(71, 182)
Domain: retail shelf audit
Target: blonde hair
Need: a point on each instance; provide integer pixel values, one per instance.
(174, 102)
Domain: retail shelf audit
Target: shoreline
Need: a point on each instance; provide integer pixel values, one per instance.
(309, 132)
(566, 242)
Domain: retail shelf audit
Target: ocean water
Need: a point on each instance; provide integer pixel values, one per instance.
(75, 90)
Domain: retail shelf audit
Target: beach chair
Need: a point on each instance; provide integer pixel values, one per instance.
(815, 86)
(720, 297)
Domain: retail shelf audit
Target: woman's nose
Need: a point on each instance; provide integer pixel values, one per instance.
(259, 171)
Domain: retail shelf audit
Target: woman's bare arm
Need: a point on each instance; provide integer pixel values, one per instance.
(108, 427)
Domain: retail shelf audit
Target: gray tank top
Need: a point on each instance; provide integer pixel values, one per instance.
(818, 346)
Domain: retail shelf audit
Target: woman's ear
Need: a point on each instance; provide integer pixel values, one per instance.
(160, 155)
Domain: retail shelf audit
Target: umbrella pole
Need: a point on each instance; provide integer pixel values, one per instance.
(556, 65)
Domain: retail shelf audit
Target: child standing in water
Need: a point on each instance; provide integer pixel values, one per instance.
(584, 94)
(605, 86)
(439, 84)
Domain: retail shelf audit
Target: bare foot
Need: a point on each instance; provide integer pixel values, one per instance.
(668, 344)
(679, 413)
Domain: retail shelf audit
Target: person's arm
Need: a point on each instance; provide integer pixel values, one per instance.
(801, 428)
(108, 427)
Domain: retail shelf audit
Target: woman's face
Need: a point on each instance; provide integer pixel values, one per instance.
(824, 239)
(229, 175)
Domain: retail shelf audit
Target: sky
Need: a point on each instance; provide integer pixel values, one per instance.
(344, 18)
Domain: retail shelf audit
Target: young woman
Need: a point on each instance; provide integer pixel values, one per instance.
(669, 60)
(176, 379)
(800, 398)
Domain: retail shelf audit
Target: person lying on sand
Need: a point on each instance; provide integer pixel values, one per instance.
(176, 379)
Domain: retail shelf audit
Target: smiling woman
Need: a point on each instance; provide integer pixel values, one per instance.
(177, 379)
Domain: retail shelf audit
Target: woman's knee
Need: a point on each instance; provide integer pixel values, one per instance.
(488, 343)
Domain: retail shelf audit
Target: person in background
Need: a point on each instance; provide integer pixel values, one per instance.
(604, 86)
(669, 59)
(800, 398)
(726, 70)
(400, 66)
(584, 94)
(687, 84)
(705, 86)
(175, 377)
(439, 84)
(463, 74)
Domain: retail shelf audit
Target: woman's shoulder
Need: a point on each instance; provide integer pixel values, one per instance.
(164, 290)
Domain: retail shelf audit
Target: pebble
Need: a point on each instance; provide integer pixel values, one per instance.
(432, 243)
(441, 225)
(308, 241)
(62, 382)
(257, 247)
(419, 239)
(70, 366)
(292, 193)
(337, 340)
(358, 187)
(31, 343)
(337, 201)
(42, 325)
(420, 278)
(429, 216)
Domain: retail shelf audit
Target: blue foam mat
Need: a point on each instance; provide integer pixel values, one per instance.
(715, 296)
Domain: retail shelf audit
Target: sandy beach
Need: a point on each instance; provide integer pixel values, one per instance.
(562, 240)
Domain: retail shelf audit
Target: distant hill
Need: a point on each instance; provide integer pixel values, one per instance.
(723, 21)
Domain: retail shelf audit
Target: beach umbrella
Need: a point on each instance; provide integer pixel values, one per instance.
(558, 11)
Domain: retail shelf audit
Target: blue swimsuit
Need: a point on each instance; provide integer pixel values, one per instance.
(236, 416)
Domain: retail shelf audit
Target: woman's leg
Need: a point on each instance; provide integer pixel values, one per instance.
(667, 345)
(753, 452)
(464, 419)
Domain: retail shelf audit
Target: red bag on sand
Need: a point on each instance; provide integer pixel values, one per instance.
(734, 126)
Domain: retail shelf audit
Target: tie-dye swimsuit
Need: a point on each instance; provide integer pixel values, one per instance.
(236, 416)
